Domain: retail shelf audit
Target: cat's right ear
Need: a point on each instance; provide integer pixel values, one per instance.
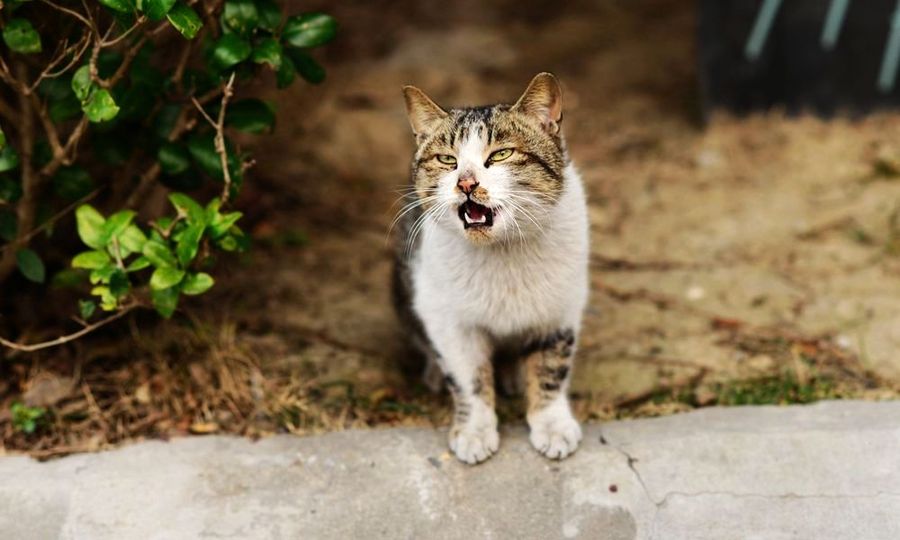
(424, 114)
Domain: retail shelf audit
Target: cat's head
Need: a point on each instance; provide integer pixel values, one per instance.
(491, 173)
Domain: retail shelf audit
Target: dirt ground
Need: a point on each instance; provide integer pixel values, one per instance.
(750, 260)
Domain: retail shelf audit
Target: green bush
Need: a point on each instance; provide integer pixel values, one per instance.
(101, 102)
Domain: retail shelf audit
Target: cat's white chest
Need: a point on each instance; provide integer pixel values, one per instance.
(538, 286)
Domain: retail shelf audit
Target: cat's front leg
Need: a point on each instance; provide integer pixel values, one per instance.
(465, 358)
(548, 368)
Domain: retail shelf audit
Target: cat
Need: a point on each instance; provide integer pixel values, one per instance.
(492, 260)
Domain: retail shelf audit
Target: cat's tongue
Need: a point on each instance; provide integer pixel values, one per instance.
(476, 211)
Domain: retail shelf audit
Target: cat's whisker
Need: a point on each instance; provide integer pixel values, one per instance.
(420, 224)
(527, 214)
(407, 209)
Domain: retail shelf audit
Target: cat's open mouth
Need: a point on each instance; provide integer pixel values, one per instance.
(473, 214)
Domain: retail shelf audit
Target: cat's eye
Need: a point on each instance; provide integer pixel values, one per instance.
(446, 159)
(500, 155)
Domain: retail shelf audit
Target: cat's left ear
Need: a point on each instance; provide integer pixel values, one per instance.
(542, 101)
(424, 115)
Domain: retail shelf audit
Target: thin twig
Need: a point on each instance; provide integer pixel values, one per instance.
(48, 72)
(49, 127)
(137, 24)
(219, 126)
(71, 12)
(129, 57)
(69, 337)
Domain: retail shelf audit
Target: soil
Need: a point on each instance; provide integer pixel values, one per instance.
(741, 260)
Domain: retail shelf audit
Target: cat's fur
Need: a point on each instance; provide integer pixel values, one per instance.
(493, 259)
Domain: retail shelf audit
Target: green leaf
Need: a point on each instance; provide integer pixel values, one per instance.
(173, 158)
(269, 14)
(90, 226)
(234, 240)
(91, 260)
(116, 225)
(8, 226)
(165, 301)
(65, 108)
(240, 16)
(156, 9)
(197, 283)
(10, 190)
(100, 106)
(102, 275)
(72, 182)
(202, 147)
(122, 6)
(132, 239)
(189, 243)
(159, 254)
(251, 116)
(138, 264)
(2, 139)
(164, 122)
(230, 50)
(21, 37)
(26, 419)
(107, 300)
(185, 20)
(163, 278)
(119, 284)
(9, 159)
(212, 209)
(220, 226)
(56, 88)
(81, 83)
(31, 265)
(86, 308)
(268, 51)
(309, 30)
(68, 278)
(308, 68)
(228, 243)
(188, 207)
(287, 72)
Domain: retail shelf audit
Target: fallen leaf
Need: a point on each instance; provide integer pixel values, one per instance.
(142, 394)
(204, 428)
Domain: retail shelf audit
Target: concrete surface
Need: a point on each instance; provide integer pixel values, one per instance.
(830, 470)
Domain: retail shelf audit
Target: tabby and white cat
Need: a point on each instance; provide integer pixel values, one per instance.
(493, 262)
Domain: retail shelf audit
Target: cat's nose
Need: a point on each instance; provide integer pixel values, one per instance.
(467, 183)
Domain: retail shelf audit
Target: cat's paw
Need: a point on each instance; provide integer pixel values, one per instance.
(474, 442)
(555, 434)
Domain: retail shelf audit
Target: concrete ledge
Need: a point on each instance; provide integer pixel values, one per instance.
(830, 470)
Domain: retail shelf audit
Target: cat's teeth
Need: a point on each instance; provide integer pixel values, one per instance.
(470, 220)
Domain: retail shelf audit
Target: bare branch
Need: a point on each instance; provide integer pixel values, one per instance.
(49, 126)
(68, 154)
(69, 337)
(183, 123)
(54, 218)
(219, 126)
(73, 13)
(48, 72)
(129, 57)
(7, 76)
(137, 24)
(27, 205)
